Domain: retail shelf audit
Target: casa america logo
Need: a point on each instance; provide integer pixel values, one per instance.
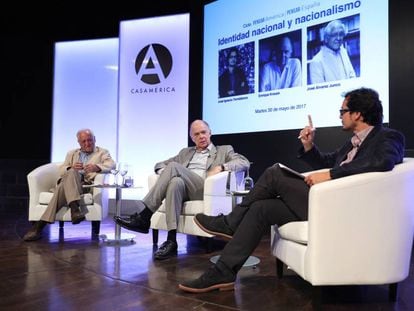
(153, 65)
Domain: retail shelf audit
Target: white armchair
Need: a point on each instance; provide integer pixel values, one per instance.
(217, 199)
(359, 231)
(42, 179)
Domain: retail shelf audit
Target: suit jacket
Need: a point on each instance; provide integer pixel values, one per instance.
(99, 156)
(329, 65)
(380, 151)
(218, 155)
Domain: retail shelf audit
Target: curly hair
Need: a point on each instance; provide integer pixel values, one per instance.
(367, 102)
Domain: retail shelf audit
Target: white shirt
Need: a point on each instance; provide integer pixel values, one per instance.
(272, 78)
(330, 65)
(198, 163)
(84, 158)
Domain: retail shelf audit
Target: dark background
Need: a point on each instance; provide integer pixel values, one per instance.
(28, 34)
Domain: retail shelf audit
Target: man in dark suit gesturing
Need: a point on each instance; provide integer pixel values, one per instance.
(280, 197)
(181, 179)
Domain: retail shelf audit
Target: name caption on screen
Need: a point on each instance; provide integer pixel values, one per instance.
(283, 109)
(325, 86)
(226, 100)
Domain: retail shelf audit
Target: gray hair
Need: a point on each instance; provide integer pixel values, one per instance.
(330, 27)
(87, 131)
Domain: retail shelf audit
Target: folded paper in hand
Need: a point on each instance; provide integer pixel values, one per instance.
(240, 192)
(92, 186)
(291, 171)
(100, 186)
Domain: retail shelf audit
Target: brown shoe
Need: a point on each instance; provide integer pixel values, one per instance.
(76, 215)
(211, 280)
(35, 233)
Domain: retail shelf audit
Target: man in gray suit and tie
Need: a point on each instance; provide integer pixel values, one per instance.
(182, 179)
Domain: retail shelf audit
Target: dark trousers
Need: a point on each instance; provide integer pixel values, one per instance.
(278, 197)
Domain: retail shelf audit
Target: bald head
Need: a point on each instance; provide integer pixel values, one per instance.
(284, 51)
(200, 134)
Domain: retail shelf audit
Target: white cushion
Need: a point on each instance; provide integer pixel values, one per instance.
(296, 231)
(189, 207)
(45, 197)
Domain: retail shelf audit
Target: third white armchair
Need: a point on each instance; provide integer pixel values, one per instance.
(360, 231)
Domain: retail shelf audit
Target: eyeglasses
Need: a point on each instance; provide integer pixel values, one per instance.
(343, 111)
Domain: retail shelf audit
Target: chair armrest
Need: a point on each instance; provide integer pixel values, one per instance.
(41, 179)
(101, 195)
(359, 198)
(213, 185)
(216, 184)
(315, 171)
(222, 183)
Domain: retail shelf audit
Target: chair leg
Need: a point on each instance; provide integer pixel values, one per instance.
(209, 245)
(393, 292)
(155, 236)
(61, 224)
(96, 227)
(279, 268)
(317, 297)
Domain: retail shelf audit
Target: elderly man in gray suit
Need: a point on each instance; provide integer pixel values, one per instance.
(181, 179)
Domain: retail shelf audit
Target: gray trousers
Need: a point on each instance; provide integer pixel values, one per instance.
(68, 190)
(176, 184)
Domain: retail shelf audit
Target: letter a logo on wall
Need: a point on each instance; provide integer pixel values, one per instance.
(153, 63)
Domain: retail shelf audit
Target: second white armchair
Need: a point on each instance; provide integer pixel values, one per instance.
(217, 199)
(360, 231)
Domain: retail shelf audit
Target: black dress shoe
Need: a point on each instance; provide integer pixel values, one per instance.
(135, 223)
(167, 250)
(215, 225)
(211, 280)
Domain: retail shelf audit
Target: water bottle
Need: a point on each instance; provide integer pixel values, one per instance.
(248, 182)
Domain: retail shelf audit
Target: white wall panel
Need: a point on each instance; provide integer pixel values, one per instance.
(84, 94)
(153, 91)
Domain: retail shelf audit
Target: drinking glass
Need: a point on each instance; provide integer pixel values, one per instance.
(129, 181)
(114, 172)
(123, 170)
